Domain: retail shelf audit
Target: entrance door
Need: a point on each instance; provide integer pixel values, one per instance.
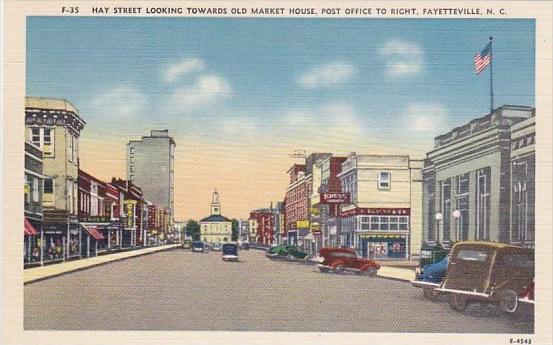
(364, 247)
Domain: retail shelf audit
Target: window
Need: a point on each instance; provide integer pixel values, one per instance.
(483, 181)
(28, 184)
(35, 189)
(35, 136)
(446, 208)
(462, 205)
(383, 180)
(47, 136)
(48, 185)
(472, 255)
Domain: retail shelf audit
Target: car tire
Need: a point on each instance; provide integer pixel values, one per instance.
(339, 268)
(323, 269)
(431, 294)
(508, 301)
(291, 258)
(371, 272)
(458, 302)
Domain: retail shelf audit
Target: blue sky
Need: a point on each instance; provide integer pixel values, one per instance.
(316, 84)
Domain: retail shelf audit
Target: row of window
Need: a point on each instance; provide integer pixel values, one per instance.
(44, 137)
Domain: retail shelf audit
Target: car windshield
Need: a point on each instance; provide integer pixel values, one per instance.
(198, 244)
(472, 255)
(344, 255)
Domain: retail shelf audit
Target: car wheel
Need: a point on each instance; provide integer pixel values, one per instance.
(508, 301)
(291, 257)
(458, 302)
(431, 293)
(371, 272)
(339, 268)
(323, 269)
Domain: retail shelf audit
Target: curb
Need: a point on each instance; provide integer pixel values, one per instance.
(95, 265)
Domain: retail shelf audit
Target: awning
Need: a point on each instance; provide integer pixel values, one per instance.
(94, 232)
(29, 229)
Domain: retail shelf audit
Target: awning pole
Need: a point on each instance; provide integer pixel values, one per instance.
(41, 246)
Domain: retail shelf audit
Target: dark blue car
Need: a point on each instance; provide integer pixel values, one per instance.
(230, 252)
(430, 277)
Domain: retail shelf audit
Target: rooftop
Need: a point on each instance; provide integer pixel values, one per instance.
(50, 103)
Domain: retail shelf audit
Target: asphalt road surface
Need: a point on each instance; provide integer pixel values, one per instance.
(180, 290)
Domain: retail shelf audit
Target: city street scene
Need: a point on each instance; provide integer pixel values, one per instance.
(283, 175)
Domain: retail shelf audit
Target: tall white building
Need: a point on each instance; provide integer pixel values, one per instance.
(150, 165)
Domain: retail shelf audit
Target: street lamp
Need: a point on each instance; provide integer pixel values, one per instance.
(439, 216)
(457, 215)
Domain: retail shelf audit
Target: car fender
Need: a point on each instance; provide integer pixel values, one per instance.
(336, 263)
(369, 265)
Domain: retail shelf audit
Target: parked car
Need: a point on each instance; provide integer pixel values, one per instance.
(489, 272)
(289, 252)
(245, 246)
(430, 277)
(198, 246)
(342, 259)
(186, 244)
(216, 246)
(230, 252)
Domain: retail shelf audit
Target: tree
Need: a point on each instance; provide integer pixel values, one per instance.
(235, 229)
(192, 229)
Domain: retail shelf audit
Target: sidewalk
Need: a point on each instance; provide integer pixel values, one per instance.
(44, 272)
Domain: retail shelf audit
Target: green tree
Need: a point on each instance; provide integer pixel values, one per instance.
(235, 229)
(192, 229)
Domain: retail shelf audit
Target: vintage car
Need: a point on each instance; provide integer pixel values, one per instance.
(186, 244)
(342, 259)
(430, 277)
(230, 252)
(489, 272)
(289, 252)
(245, 246)
(216, 246)
(198, 246)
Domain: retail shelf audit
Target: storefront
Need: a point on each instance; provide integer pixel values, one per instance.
(54, 241)
(93, 236)
(384, 247)
(292, 237)
(31, 244)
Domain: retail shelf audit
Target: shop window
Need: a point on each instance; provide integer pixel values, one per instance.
(384, 180)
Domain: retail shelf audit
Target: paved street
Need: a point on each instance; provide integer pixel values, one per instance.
(180, 290)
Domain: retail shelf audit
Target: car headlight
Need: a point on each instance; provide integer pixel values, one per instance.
(320, 259)
(418, 271)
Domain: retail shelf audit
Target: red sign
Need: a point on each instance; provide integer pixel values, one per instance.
(377, 211)
(335, 198)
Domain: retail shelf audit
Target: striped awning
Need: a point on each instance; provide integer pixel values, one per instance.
(94, 232)
(29, 229)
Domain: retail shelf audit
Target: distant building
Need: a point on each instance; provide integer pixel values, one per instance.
(54, 125)
(244, 230)
(150, 165)
(267, 224)
(483, 172)
(216, 228)
(383, 220)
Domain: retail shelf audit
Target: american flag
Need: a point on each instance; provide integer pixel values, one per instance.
(483, 59)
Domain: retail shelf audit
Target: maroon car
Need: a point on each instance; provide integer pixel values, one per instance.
(342, 259)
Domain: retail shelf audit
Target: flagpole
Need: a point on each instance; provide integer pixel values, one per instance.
(491, 74)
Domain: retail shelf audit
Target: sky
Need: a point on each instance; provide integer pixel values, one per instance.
(240, 95)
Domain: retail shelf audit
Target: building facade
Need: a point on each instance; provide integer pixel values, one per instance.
(479, 180)
(216, 228)
(54, 125)
(384, 218)
(150, 165)
(33, 190)
(296, 205)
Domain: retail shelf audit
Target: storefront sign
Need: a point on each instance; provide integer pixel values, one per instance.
(314, 211)
(376, 211)
(335, 198)
(302, 224)
(129, 209)
(94, 219)
(315, 227)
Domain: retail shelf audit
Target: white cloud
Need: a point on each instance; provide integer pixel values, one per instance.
(119, 101)
(326, 76)
(182, 68)
(426, 117)
(402, 58)
(206, 89)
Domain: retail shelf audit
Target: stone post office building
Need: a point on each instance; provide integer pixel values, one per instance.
(480, 178)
